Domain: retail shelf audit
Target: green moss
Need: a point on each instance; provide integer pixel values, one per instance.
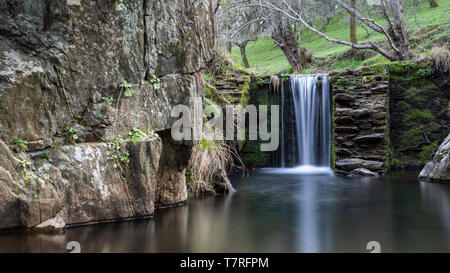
(419, 116)
(208, 91)
(245, 97)
(410, 73)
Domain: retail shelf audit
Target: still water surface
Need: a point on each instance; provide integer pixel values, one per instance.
(278, 212)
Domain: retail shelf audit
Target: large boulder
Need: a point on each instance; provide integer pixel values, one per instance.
(438, 170)
(103, 190)
(350, 164)
(81, 184)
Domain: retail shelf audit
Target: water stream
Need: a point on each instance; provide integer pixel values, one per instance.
(277, 212)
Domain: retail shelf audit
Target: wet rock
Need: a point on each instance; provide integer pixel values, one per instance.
(343, 152)
(344, 111)
(380, 129)
(380, 115)
(348, 144)
(39, 144)
(369, 138)
(438, 169)
(350, 164)
(364, 172)
(344, 120)
(343, 98)
(361, 113)
(51, 226)
(222, 183)
(346, 129)
(380, 88)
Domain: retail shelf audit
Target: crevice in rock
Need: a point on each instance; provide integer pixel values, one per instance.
(146, 55)
(48, 19)
(171, 188)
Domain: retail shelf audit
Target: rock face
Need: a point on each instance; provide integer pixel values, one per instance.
(63, 65)
(439, 168)
(360, 122)
(57, 56)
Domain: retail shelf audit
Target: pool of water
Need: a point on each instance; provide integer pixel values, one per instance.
(276, 211)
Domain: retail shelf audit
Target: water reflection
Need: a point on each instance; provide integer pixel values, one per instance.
(277, 212)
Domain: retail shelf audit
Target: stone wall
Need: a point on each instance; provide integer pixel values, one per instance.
(361, 133)
(62, 64)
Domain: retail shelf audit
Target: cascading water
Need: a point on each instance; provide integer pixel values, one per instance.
(283, 155)
(311, 114)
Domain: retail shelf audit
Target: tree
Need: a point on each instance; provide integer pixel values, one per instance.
(395, 34)
(433, 3)
(242, 48)
(284, 37)
(239, 25)
(242, 21)
(353, 36)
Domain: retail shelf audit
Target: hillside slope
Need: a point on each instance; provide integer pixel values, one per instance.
(265, 57)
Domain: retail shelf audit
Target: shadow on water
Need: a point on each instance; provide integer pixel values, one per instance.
(275, 211)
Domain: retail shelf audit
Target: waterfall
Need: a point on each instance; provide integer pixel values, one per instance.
(312, 113)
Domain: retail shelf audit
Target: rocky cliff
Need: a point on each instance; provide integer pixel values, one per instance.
(74, 76)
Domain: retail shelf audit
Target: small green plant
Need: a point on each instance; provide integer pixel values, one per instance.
(55, 144)
(115, 154)
(126, 87)
(39, 162)
(74, 132)
(42, 158)
(125, 158)
(156, 82)
(70, 132)
(136, 134)
(25, 163)
(21, 144)
(206, 144)
(108, 100)
(26, 180)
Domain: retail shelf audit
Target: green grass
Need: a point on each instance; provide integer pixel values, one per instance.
(265, 57)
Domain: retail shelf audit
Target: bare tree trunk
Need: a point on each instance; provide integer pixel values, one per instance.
(242, 47)
(285, 39)
(353, 36)
(398, 32)
(229, 47)
(433, 3)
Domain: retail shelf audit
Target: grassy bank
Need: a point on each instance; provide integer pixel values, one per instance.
(265, 57)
